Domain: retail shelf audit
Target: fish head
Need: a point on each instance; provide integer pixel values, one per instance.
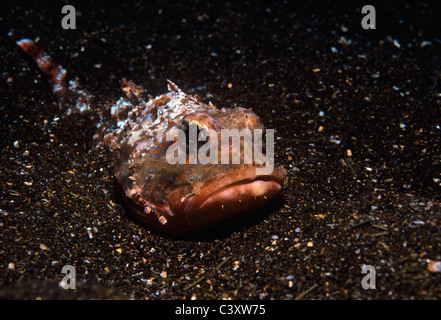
(216, 190)
(218, 176)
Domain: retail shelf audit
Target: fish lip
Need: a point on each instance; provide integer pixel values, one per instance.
(267, 184)
(242, 177)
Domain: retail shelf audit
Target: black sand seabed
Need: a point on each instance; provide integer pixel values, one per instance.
(310, 71)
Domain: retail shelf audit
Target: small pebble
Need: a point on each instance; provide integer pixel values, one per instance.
(434, 266)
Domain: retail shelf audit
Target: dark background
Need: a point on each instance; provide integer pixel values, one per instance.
(312, 74)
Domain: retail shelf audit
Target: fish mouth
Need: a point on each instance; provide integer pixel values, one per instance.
(229, 195)
(235, 192)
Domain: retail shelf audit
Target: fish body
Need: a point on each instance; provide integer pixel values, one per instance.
(169, 196)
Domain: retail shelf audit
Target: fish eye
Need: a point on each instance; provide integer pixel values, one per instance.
(193, 131)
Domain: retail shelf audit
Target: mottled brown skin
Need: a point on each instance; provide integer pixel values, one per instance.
(171, 198)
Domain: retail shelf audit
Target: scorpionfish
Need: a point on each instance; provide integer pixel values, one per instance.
(168, 197)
